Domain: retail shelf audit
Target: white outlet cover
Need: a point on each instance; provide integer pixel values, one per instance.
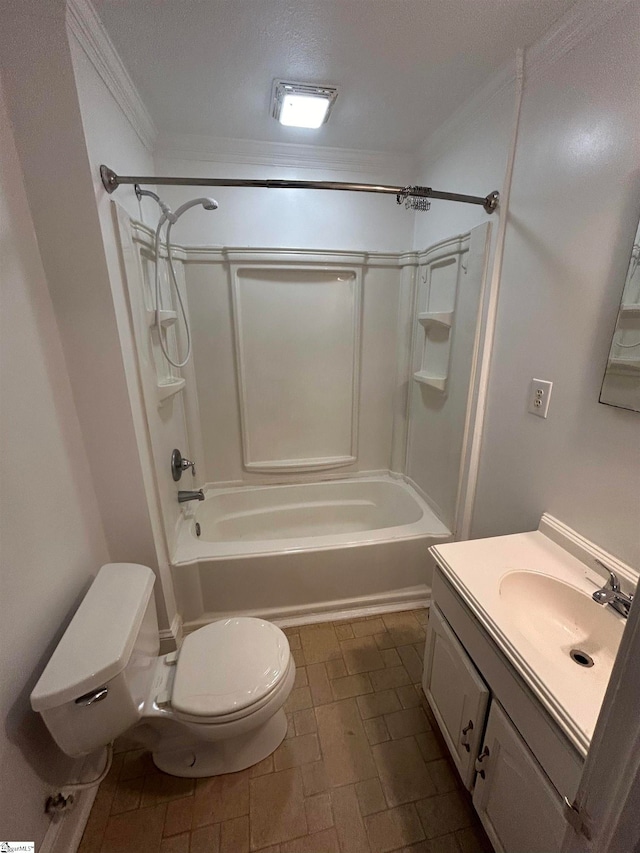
(539, 396)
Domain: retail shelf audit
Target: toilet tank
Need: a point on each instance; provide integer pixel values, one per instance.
(95, 684)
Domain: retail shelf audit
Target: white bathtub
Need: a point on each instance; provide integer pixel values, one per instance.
(292, 551)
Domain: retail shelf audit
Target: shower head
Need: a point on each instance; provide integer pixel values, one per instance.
(207, 203)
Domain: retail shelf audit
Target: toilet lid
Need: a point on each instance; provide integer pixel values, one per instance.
(228, 665)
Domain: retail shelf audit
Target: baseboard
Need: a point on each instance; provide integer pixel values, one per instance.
(65, 834)
(171, 638)
(413, 598)
(354, 613)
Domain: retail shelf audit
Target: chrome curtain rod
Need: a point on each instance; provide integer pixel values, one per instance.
(111, 181)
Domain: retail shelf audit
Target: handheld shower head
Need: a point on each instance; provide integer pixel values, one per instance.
(207, 203)
(171, 217)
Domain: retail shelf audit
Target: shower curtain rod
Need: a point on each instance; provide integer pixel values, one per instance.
(111, 181)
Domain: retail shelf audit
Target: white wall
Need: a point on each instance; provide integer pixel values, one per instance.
(111, 138)
(467, 155)
(52, 536)
(43, 106)
(574, 210)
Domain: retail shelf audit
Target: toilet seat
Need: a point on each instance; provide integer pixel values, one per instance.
(229, 669)
(258, 710)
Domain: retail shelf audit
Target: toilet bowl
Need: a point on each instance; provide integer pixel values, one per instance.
(215, 706)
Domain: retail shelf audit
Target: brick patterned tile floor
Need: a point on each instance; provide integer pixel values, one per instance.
(363, 768)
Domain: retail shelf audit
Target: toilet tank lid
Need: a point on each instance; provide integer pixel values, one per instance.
(99, 640)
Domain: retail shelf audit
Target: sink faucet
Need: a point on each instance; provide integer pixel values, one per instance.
(183, 497)
(612, 594)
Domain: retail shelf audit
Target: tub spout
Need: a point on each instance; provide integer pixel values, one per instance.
(183, 497)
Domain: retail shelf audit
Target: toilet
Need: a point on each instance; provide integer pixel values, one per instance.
(215, 706)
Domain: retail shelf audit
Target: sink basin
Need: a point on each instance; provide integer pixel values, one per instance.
(531, 592)
(560, 619)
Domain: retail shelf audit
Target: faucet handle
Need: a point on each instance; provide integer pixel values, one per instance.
(613, 577)
(179, 464)
(185, 464)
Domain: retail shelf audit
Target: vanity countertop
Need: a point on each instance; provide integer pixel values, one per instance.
(533, 597)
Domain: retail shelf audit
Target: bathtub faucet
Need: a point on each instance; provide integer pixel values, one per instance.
(183, 497)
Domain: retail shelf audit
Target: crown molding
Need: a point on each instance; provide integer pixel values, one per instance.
(582, 20)
(86, 26)
(210, 149)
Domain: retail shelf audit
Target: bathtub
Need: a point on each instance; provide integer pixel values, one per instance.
(292, 552)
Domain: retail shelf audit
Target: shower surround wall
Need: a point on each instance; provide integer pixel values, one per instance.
(303, 359)
(447, 333)
(299, 374)
(299, 365)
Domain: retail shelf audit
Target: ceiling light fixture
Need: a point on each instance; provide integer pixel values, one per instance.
(302, 105)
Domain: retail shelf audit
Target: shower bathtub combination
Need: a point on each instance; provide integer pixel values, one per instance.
(293, 551)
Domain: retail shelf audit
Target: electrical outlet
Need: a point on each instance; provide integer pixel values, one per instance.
(539, 396)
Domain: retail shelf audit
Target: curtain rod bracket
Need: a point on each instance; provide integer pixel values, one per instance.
(491, 201)
(110, 180)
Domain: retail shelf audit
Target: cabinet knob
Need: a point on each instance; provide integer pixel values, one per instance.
(464, 740)
(478, 765)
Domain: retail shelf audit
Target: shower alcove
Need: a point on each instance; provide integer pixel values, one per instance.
(329, 466)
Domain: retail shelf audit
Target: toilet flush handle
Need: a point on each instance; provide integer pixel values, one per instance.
(95, 696)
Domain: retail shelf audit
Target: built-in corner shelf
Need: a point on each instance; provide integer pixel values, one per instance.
(167, 318)
(437, 382)
(168, 389)
(441, 318)
(432, 346)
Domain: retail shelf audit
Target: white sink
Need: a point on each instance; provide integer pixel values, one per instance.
(533, 597)
(560, 619)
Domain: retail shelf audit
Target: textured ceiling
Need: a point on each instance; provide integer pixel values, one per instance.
(402, 66)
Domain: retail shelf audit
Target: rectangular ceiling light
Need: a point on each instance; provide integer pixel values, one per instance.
(302, 105)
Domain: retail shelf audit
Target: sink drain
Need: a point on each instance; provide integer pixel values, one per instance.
(580, 657)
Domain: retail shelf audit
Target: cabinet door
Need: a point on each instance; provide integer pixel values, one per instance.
(456, 693)
(520, 809)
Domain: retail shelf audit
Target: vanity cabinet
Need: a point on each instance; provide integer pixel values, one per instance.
(518, 806)
(509, 753)
(457, 694)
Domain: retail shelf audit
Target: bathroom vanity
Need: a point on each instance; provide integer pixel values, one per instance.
(517, 661)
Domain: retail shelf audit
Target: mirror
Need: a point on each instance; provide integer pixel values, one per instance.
(621, 383)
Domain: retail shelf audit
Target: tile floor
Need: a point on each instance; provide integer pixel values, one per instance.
(362, 769)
